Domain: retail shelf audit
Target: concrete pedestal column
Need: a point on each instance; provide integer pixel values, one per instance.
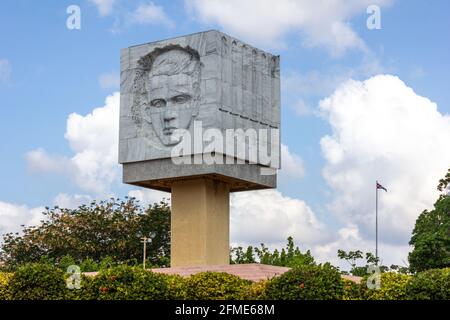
(200, 222)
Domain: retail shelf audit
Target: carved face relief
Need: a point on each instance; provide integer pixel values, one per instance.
(171, 104)
(171, 93)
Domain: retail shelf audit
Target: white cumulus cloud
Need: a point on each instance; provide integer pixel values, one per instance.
(64, 200)
(383, 130)
(93, 139)
(40, 161)
(151, 13)
(349, 238)
(12, 216)
(302, 90)
(268, 216)
(148, 196)
(291, 164)
(267, 22)
(104, 7)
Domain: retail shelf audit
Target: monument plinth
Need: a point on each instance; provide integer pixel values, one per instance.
(200, 222)
(200, 118)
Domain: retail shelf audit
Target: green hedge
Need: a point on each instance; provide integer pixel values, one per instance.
(255, 291)
(124, 283)
(5, 277)
(176, 287)
(37, 282)
(47, 282)
(392, 287)
(351, 290)
(433, 284)
(322, 282)
(215, 286)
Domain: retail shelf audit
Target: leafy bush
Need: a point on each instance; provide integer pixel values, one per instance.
(392, 287)
(65, 262)
(255, 291)
(107, 263)
(176, 286)
(215, 286)
(322, 282)
(85, 292)
(37, 282)
(46, 282)
(89, 265)
(429, 285)
(351, 290)
(125, 283)
(5, 277)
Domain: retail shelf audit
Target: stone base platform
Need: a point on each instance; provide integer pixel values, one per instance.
(251, 271)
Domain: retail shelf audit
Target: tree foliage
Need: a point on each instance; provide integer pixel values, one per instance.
(370, 259)
(433, 284)
(444, 183)
(290, 256)
(108, 229)
(431, 234)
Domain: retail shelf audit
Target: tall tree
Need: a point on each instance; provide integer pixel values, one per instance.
(103, 229)
(431, 234)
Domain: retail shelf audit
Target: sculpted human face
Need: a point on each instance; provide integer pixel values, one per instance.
(171, 105)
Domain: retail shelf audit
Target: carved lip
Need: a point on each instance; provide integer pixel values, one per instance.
(169, 130)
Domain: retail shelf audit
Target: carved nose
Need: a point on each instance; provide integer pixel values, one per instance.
(169, 115)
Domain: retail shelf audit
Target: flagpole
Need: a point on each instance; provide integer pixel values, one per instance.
(376, 220)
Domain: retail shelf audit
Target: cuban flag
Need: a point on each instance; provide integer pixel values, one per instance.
(379, 186)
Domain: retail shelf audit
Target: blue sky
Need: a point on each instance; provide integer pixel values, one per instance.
(48, 72)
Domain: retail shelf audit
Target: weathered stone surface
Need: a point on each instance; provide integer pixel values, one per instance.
(208, 78)
(161, 173)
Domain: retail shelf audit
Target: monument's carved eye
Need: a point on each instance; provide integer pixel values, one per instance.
(182, 98)
(158, 103)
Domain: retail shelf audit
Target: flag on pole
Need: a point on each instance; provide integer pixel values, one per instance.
(379, 186)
